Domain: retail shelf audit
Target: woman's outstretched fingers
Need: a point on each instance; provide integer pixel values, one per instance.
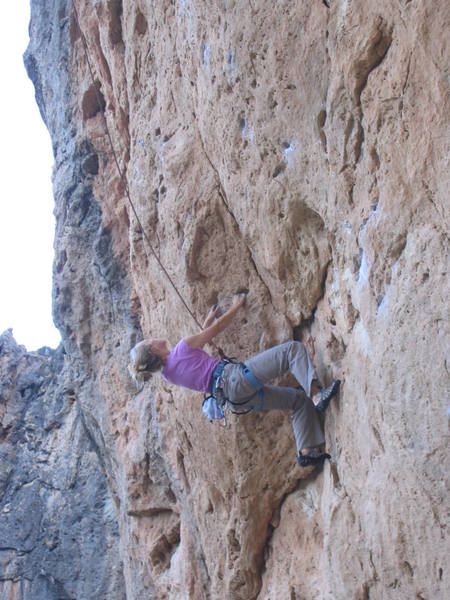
(213, 314)
(239, 299)
(212, 311)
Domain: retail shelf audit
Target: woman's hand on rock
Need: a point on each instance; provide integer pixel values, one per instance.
(214, 313)
(239, 299)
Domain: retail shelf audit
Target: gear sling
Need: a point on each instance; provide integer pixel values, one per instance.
(214, 405)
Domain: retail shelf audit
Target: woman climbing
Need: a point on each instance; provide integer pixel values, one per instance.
(244, 386)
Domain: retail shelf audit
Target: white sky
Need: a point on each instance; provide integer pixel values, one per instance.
(26, 202)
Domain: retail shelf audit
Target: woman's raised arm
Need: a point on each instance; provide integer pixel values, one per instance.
(204, 337)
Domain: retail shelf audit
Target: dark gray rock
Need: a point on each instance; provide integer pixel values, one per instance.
(59, 534)
(58, 529)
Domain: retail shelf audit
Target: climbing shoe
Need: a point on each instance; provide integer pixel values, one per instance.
(315, 457)
(325, 395)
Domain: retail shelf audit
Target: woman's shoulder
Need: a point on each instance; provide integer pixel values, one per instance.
(181, 347)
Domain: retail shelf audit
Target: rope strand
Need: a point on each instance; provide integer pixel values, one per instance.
(122, 178)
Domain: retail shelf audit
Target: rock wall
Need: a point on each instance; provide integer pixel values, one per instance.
(58, 529)
(297, 150)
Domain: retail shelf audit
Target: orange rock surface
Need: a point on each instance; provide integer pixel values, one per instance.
(299, 151)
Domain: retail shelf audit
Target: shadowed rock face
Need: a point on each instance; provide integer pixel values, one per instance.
(58, 531)
(297, 150)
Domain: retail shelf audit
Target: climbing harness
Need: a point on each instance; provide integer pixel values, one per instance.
(122, 178)
(216, 403)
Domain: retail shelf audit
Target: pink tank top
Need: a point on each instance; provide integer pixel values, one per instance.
(189, 367)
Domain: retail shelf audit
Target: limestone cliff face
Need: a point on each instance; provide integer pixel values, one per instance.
(300, 151)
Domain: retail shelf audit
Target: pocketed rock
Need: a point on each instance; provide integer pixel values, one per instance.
(297, 150)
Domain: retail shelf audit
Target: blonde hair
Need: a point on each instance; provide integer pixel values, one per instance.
(143, 363)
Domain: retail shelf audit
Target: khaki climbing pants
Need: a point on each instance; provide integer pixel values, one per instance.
(288, 357)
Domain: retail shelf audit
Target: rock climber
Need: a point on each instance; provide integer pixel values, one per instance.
(243, 386)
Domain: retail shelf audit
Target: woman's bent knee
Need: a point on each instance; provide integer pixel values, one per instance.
(296, 347)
